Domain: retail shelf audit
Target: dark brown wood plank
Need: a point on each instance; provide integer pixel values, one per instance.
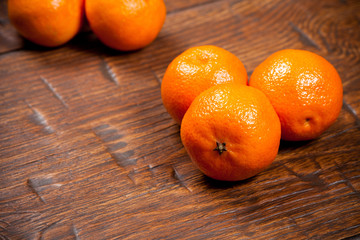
(172, 6)
(9, 38)
(87, 151)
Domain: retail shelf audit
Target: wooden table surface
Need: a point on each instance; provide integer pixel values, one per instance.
(87, 150)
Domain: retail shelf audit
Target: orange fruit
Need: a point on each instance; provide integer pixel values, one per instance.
(305, 90)
(231, 132)
(46, 22)
(196, 70)
(126, 24)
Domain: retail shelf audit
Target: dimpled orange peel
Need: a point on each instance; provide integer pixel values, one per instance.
(305, 90)
(126, 25)
(231, 132)
(48, 23)
(195, 70)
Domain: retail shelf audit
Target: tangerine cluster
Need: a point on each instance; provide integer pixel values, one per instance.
(231, 127)
(122, 25)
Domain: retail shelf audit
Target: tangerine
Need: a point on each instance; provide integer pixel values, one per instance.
(195, 70)
(305, 90)
(231, 132)
(46, 22)
(126, 25)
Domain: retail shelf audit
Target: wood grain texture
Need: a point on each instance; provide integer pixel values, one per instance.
(87, 150)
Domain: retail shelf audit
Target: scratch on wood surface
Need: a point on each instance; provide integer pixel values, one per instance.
(106, 133)
(312, 178)
(118, 150)
(33, 188)
(131, 176)
(346, 179)
(37, 183)
(124, 159)
(109, 73)
(151, 169)
(178, 177)
(306, 39)
(41, 120)
(143, 176)
(117, 146)
(101, 127)
(156, 77)
(76, 232)
(333, 135)
(43, 231)
(56, 94)
(352, 111)
(38, 118)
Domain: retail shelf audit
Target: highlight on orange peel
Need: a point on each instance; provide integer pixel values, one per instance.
(231, 132)
(46, 22)
(195, 70)
(126, 25)
(305, 90)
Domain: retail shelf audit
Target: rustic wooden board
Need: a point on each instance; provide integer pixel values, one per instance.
(87, 150)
